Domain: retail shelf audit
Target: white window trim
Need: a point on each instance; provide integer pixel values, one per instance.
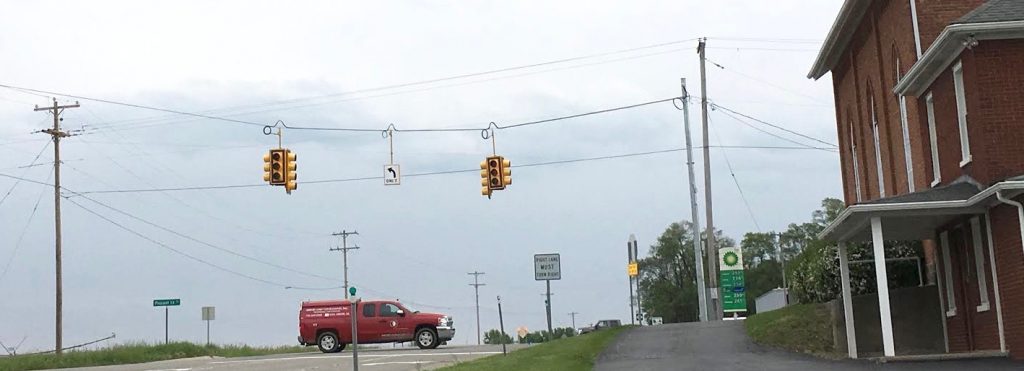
(948, 274)
(856, 166)
(878, 150)
(936, 169)
(979, 264)
(906, 133)
(961, 113)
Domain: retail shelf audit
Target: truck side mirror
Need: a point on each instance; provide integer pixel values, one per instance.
(401, 313)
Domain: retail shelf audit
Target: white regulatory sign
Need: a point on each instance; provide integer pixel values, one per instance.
(547, 267)
(392, 174)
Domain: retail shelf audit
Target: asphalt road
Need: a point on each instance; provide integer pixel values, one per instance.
(370, 360)
(725, 346)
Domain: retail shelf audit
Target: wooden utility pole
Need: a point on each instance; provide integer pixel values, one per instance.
(344, 253)
(714, 311)
(476, 288)
(573, 315)
(56, 133)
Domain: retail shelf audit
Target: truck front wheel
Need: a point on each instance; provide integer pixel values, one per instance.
(426, 338)
(328, 343)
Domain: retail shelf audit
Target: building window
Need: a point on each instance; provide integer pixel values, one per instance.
(933, 139)
(878, 149)
(947, 268)
(856, 165)
(961, 113)
(906, 132)
(979, 264)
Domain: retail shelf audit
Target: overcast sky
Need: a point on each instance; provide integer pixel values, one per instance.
(420, 238)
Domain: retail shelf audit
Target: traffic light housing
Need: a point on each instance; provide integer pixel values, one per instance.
(495, 174)
(279, 169)
(290, 175)
(274, 167)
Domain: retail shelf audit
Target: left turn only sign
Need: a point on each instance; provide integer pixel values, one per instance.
(392, 174)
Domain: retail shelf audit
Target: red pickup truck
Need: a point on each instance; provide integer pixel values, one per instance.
(328, 324)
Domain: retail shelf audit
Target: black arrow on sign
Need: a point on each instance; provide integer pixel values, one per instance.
(393, 173)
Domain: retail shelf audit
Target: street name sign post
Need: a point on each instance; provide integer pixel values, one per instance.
(166, 303)
(209, 314)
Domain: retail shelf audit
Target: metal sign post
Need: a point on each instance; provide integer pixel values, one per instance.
(166, 303)
(208, 315)
(547, 267)
(501, 322)
(355, 335)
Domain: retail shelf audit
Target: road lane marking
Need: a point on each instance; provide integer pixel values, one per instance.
(373, 355)
(397, 363)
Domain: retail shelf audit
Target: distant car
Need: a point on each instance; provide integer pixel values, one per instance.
(602, 324)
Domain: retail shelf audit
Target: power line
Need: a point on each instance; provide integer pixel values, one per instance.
(156, 121)
(808, 146)
(190, 257)
(717, 106)
(17, 245)
(24, 173)
(440, 79)
(785, 89)
(204, 243)
(736, 181)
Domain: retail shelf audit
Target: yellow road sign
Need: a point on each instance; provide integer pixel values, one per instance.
(634, 270)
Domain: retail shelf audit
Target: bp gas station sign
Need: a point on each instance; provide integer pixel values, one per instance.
(730, 280)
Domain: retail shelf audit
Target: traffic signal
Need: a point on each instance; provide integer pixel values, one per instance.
(495, 174)
(274, 167)
(485, 185)
(290, 176)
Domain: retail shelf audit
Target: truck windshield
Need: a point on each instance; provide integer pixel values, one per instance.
(407, 309)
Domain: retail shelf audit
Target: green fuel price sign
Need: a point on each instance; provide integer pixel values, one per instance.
(730, 280)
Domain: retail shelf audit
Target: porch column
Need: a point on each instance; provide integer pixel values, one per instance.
(878, 243)
(844, 271)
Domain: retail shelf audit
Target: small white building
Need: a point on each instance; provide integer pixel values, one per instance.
(772, 300)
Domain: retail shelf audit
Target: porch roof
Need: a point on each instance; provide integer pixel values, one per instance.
(917, 215)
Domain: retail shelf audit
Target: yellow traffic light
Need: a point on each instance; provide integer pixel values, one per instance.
(274, 166)
(494, 173)
(290, 175)
(506, 172)
(266, 167)
(484, 184)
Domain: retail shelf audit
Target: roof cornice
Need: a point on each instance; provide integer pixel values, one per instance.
(838, 37)
(947, 48)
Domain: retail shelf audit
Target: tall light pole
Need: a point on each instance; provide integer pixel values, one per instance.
(476, 288)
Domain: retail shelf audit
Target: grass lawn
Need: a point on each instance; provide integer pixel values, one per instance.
(135, 353)
(575, 353)
(802, 328)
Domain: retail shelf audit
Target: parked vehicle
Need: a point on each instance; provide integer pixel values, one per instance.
(327, 324)
(602, 324)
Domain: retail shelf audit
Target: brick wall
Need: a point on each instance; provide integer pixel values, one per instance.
(995, 76)
(934, 15)
(1010, 270)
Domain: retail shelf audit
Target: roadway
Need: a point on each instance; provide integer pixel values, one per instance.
(369, 359)
(724, 345)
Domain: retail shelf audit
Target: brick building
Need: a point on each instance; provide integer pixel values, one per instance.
(929, 99)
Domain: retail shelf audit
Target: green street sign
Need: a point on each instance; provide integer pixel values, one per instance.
(166, 302)
(352, 291)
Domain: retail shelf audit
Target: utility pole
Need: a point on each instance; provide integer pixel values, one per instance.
(344, 253)
(573, 315)
(631, 252)
(714, 311)
(476, 288)
(56, 133)
(698, 256)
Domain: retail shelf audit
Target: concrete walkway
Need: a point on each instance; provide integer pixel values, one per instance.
(725, 346)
